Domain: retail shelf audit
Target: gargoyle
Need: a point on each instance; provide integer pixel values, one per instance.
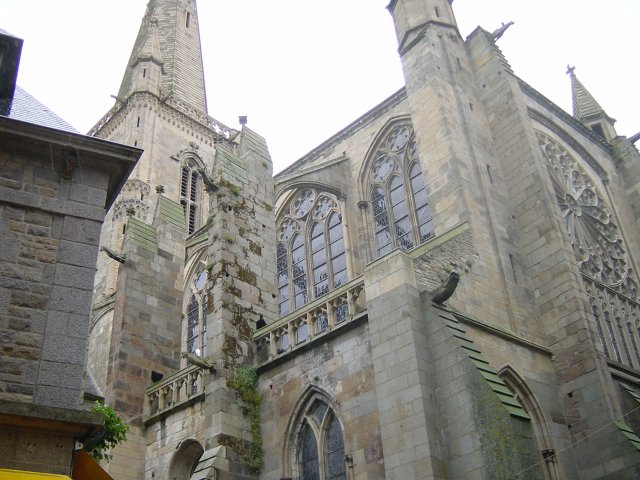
(500, 31)
(444, 291)
(208, 181)
(194, 359)
(115, 256)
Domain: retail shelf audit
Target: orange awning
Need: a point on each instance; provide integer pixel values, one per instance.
(86, 468)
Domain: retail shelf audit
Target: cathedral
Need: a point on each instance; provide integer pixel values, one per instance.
(445, 289)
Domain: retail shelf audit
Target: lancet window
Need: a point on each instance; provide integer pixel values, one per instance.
(399, 201)
(195, 314)
(320, 445)
(189, 189)
(311, 257)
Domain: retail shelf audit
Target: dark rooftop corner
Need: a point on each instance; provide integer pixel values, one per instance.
(26, 108)
(15, 102)
(10, 50)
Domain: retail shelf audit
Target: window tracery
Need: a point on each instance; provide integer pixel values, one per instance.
(195, 313)
(609, 281)
(320, 445)
(399, 200)
(311, 259)
(592, 231)
(189, 191)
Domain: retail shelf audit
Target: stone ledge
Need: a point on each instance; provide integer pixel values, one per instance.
(59, 421)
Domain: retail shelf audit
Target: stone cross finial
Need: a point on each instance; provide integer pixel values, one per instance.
(570, 70)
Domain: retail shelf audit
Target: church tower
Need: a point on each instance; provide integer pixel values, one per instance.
(186, 266)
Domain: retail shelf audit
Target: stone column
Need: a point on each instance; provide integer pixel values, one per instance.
(403, 373)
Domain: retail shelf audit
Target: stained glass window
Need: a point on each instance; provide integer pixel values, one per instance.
(321, 453)
(195, 313)
(310, 253)
(309, 465)
(283, 279)
(193, 325)
(334, 451)
(399, 200)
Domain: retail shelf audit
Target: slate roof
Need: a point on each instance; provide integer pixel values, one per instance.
(27, 109)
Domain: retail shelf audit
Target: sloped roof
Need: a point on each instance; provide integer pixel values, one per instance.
(28, 109)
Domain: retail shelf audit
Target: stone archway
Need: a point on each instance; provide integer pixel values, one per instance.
(185, 460)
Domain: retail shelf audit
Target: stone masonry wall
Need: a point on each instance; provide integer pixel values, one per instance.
(240, 288)
(146, 331)
(342, 368)
(585, 386)
(49, 230)
(165, 436)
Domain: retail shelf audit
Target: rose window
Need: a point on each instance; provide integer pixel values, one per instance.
(593, 233)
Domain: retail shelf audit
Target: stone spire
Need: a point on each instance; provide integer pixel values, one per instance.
(169, 37)
(588, 111)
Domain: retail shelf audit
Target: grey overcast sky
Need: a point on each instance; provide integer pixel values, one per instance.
(301, 70)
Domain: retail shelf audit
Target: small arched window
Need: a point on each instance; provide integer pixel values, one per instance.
(310, 252)
(189, 190)
(399, 203)
(195, 314)
(320, 445)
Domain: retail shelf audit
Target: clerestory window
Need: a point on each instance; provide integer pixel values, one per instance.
(311, 257)
(399, 201)
(189, 189)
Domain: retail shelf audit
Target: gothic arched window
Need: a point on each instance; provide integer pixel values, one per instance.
(320, 445)
(399, 203)
(189, 181)
(195, 314)
(310, 252)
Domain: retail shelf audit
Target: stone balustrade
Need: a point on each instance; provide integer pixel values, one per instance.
(178, 390)
(313, 321)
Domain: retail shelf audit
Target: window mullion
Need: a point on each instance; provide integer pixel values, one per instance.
(391, 220)
(411, 206)
(328, 256)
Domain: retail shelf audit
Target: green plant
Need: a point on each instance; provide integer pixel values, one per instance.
(245, 383)
(114, 433)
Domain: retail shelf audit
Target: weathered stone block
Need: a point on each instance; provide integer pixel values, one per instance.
(81, 230)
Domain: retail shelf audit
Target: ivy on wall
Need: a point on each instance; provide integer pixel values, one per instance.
(245, 383)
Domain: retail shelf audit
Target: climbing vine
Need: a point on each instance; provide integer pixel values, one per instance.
(115, 432)
(245, 383)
